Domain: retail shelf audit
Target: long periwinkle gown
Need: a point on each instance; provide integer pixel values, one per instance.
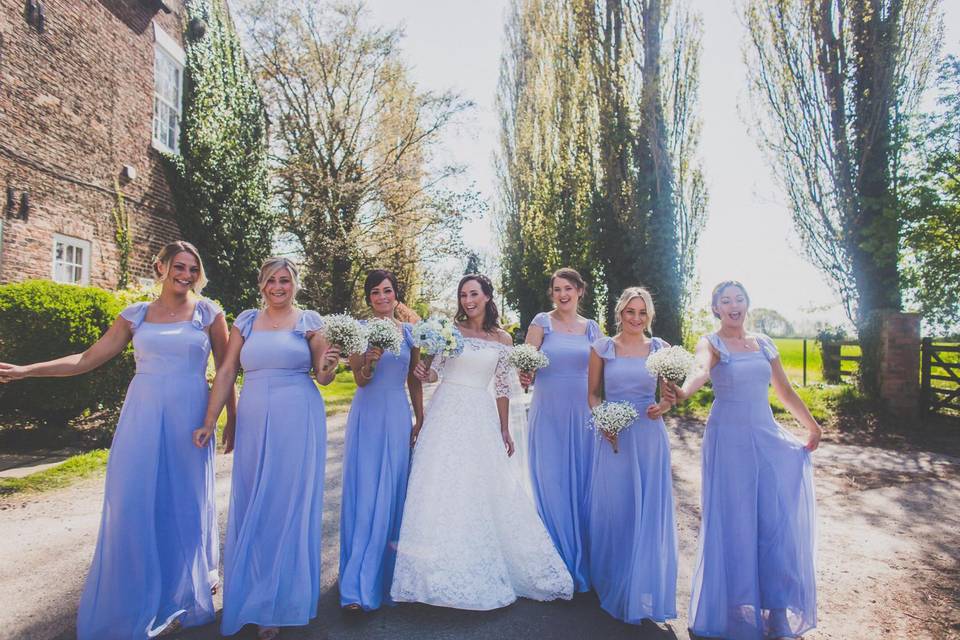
(376, 461)
(272, 560)
(754, 576)
(157, 553)
(633, 535)
(561, 445)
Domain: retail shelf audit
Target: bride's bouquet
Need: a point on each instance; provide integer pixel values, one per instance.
(613, 417)
(527, 358)
(437, 336)
(672, 364)
(345, 333)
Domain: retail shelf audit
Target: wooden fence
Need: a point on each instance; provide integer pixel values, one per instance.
(940, 377)
(833, 359)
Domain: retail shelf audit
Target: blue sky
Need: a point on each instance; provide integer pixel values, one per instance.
(749, 236)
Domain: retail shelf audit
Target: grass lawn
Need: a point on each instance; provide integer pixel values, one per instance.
(337, 396)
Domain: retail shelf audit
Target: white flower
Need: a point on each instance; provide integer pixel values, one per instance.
(528, 358)
(343, 331)
(384, 334)
(613, 417)
(672, 363)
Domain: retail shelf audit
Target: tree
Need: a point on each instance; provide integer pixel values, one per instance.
(353, 139)
(769, 322)
(832, 82)
(220, 180)
(931, 232)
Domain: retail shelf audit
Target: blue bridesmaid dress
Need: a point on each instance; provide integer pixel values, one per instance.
(272, 561)
(561, 445)
(754, 576)
(376, 462)
(157, 553)
(633, 536)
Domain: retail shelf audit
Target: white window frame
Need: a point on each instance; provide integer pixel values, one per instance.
(167, 49)
(84, 263)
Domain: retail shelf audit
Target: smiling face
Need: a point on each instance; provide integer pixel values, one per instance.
(565, 294)
(279, 289)
(180, 274)
(731, 306)
(634, 318)
(473, 301)
(383, 298)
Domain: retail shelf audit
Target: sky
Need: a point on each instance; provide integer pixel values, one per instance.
(749, 236)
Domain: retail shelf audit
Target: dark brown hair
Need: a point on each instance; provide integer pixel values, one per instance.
(570, 275)
(491, 316)
(717, 290)
(375, 277)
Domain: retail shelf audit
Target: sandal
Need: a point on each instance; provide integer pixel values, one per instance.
(267, 633)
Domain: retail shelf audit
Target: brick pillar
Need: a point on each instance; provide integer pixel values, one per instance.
(900, 362)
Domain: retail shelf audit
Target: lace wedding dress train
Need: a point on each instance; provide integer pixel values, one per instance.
(471, 538)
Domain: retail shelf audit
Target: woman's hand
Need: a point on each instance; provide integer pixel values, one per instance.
(422, 372)
(507, 441)
(415, 433)
(229, 434)
(654, 411)
(814, 440)
(527, 378)
(203, 435)
(330, 358)
(612, 439)
(11, 372)
(671, 392)
(372, 356)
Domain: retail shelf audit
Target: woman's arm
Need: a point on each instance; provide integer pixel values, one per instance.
(108, 346)
(362, 365)
(415, 389)
(219, 338)
(594, 380)
(534, 338)
(704, 359)
(223, 388)
(788, 396)
(325, 358)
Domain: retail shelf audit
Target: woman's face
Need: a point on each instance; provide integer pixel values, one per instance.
(383, 298)
(182, 274)
(565, 295)
(473, 300)
(279, 289)
(732, 306)
(634, 318)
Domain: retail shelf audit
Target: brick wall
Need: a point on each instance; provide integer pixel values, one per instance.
(900, 362)
(76, 104)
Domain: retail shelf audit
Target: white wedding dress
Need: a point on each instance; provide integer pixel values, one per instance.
(471, 538)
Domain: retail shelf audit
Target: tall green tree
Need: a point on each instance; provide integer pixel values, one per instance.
(833, 82)
(220, 178)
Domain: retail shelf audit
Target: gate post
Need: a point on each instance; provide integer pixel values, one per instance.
(900, 362)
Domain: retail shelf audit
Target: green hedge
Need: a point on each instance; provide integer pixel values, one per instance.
(42, 320)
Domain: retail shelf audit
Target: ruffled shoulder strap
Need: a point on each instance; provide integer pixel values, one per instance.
(134, 314)
(593, 331)
(767, 346)
(718, 345)
(244, 322)
(542, 320)
(308, 322)
(605, 348)
(408, 334)
(658, 343)
(205, 313)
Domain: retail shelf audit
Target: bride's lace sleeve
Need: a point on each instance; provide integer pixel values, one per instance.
(437, 365)
(501, 378)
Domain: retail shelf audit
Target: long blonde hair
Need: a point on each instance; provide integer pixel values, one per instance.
(169, 252)
(629, 294)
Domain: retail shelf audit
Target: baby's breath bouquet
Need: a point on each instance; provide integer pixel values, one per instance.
(437, 336)
(613, 417)
(345, 333)
(527, 358)
(672, 364)
(383, 334)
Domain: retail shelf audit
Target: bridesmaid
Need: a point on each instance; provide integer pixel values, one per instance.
(272, 563)
(754, 576)
(560, 445)
(633, 537)
(156, 561)
(377, 455)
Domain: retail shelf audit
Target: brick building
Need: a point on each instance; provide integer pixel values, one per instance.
(90, 93)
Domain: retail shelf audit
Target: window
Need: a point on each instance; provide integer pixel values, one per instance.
(71, 260)
(169, 60)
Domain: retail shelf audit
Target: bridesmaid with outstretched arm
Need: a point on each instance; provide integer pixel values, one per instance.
(155, 567)
(273, 551)
(633, 533)
(376, 460)
(560, 444)
(754, 577)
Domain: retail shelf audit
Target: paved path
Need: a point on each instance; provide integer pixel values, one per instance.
(889, 530)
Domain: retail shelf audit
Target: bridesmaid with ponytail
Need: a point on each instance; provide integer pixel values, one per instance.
(376, 455)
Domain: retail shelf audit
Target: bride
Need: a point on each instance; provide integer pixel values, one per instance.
(470, 537)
